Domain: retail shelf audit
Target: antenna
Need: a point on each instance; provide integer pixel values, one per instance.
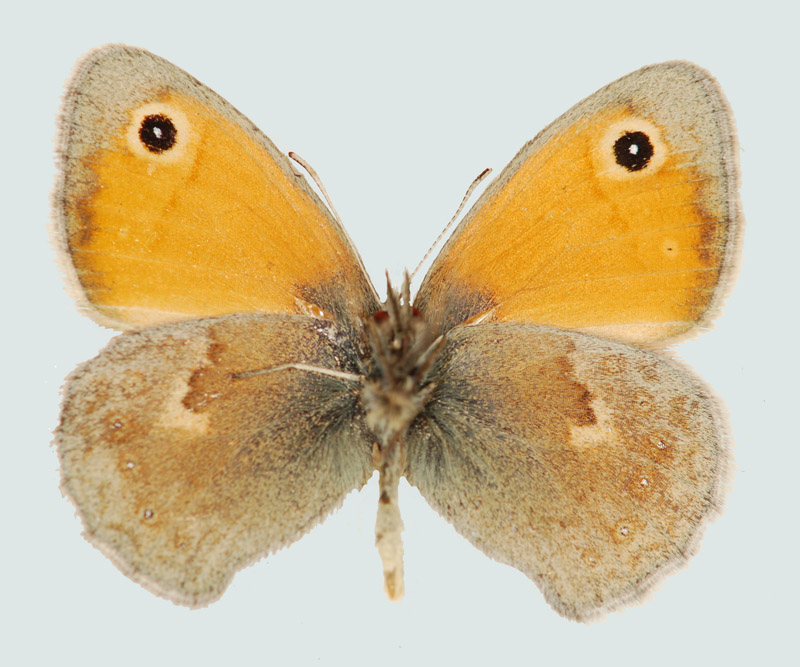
(468, 194)
(315, 177)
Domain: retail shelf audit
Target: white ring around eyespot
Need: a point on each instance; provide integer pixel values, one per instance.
(179, 120)
(607, 159)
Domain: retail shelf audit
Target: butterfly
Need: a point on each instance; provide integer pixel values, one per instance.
(525, 390)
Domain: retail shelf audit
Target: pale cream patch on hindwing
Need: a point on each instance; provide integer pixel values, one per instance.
(175, 414)
(601, 433)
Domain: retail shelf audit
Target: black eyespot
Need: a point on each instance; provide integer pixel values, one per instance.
(158, 133)
(633, 150)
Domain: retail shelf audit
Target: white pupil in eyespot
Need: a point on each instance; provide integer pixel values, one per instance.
(157, 131)
(633, 150)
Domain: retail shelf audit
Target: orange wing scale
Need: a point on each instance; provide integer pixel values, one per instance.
(567, 237)
(217, 224)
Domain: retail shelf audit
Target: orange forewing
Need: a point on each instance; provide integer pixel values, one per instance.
(218, 224)
(567, 237)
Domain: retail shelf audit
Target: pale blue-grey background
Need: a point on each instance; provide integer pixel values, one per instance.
(398, 107)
